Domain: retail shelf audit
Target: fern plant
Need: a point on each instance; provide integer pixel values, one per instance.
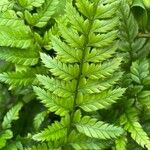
(20, 45)
(135, 50)
(74, 75)
(84, 74)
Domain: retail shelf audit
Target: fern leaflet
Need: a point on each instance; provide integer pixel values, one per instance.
(12, 114)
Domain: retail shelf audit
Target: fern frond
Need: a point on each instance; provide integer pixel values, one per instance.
(121, 143)
(10, 19)
(18, 38)
(86, 8)
(103, 10)
(100, 71)
(53, 103)
(139, 70)
(100, 101)
(107, 9)
(38, 147)
(127, 32)
(4, 136)
(26, 57)
(132, 125)
(71, 36)
(80, 142)
(54, 132)
(93, 128)
(76, 19)
(13, 146)
(38, 119)
(57, 87)
(98, 56)
(104, 26)
(42, 146)
(63, 71)
(21, 78)
(13, 31)
(102, 40)
(11, 115)
(99, 26)
(144, 98)
(5, 5)
(88, 144)
(97, 86)
(29, 4)
(83, 69)
(17, 78)
(43, 14)
(65, 52)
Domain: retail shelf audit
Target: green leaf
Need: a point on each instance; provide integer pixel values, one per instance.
(10, 19)
(43, 14)
(5, 5)
(14, 79)
(57, 87)
(102, 40)
(128, 22)
(13, 145)
(96, 86)
(71, 36)
(39, 118)
(104, 26)
(121, 143)
(80, 142)
(43, 146)
(97, 56)
(147, 3)
(86, 8)
(11, 115)
(65, 52)
(140, 13)
(139, 70)
(107, 9)
(29, 4)
(4, 136)
(100, 71)
(144, 98)
(16, 37)
(26, 57)
(62, 70)
(54, 104)
(132, 125)
(24, 77)
(76, 19)
(38, 147)
(101, 101)
(93, 128)
(54, 132)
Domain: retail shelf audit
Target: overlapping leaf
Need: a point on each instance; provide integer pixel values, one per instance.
(97, 129)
